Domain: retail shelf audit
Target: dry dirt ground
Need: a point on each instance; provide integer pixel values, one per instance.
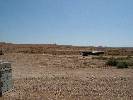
(66, 77)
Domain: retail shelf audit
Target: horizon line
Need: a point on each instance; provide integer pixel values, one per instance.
(1, 42)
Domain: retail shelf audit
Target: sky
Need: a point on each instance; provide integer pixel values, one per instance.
(68, 22)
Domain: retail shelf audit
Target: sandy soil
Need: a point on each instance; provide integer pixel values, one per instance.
(63, 77)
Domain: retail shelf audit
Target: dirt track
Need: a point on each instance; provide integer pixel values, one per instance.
(63, 77)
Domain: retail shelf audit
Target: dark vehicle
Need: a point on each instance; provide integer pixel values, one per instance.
(86, 53)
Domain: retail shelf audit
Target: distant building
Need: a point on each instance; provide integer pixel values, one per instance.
(5, 77)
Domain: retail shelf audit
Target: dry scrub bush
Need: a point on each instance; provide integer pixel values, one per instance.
(112, 62)
(1, 52)
(120, 62)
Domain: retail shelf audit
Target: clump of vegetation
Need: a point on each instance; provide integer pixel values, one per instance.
(122, 64)
(130, 63)
(1, 52)
(112, 62)
(119, 63)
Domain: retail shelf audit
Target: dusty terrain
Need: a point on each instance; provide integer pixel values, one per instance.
(66, 77)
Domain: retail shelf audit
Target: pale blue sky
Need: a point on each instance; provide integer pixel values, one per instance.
(75, 22)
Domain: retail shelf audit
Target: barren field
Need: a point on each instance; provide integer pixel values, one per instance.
(66, 77)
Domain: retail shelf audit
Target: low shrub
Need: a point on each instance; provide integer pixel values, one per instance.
(122, 64)
(119, 63)
(130, 62)
(1, 52)
(112, 62)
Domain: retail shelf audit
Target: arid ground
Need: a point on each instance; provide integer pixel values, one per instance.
(66, 77)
